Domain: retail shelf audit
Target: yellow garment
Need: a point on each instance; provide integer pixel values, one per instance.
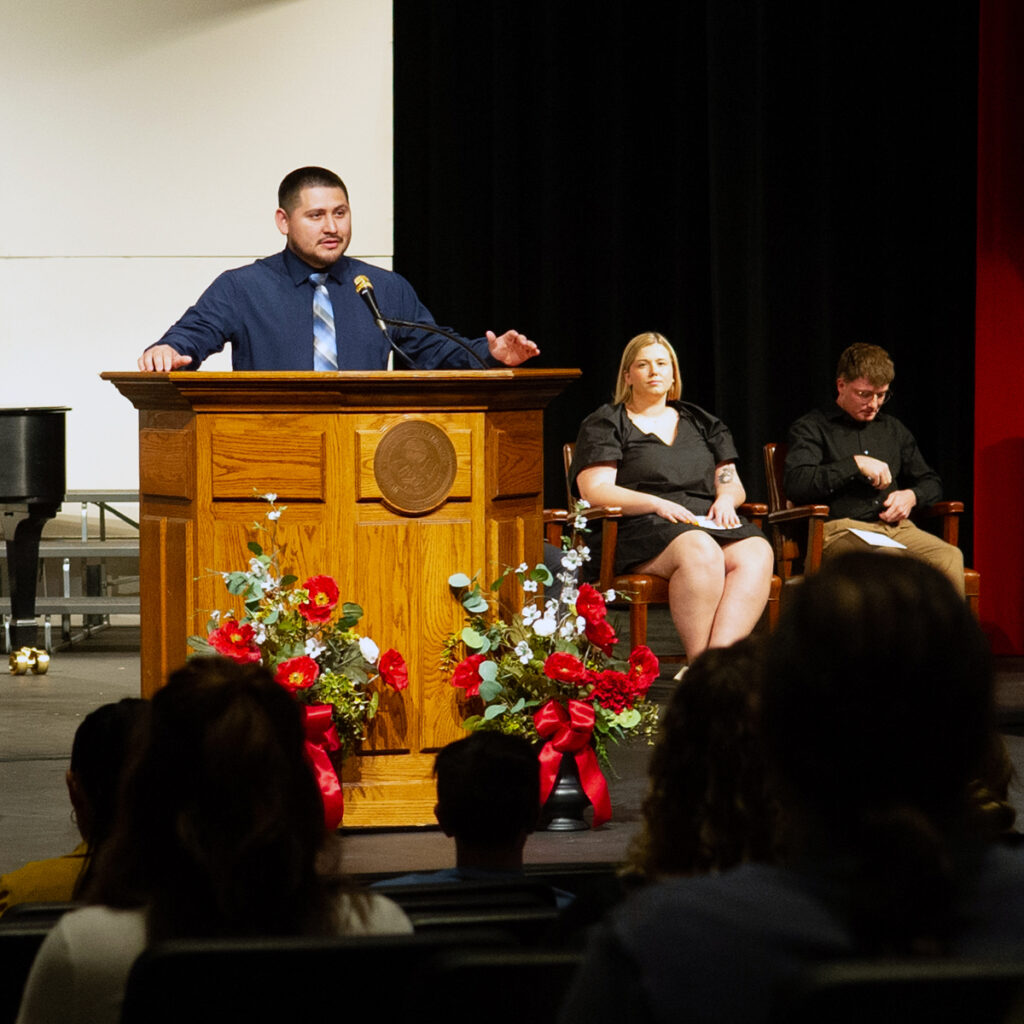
(43, 881)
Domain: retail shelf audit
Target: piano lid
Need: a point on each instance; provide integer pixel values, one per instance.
(32, 463)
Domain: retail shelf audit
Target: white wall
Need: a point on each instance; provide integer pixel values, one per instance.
(141, 145)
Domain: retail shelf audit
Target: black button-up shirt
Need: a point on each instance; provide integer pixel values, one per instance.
(820, 466)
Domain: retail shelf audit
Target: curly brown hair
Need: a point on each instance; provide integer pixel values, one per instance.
(708, 807)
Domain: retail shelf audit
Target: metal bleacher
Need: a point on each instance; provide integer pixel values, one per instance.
(84, 568)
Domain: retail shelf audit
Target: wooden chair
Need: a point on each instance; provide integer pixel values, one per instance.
(644, 589)
(265, 981)
(938, 991)
(797, 531)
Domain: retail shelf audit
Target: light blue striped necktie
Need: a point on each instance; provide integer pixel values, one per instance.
(325, 345)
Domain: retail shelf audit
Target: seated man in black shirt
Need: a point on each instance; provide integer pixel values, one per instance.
(866, 466)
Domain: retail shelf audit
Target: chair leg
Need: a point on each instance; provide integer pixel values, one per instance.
(637, 624)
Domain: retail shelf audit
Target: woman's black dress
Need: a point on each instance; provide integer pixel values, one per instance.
(683, 472)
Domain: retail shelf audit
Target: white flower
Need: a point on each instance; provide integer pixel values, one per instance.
(523, 652)
(530, 586)
(551, 608)
(314, 648)
(215, 616)
(569, 594)
(260, 634)
(609, 596)
(567, 630)
(531, 613)
(582, 503)
(523, 567)
(579, 523)
(256, 567)
(274, 514)
(545, 626)
(369, 650)
(572, 559)
(269, 496)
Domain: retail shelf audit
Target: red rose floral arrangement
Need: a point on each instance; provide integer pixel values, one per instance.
(551, 673)
(306, 637)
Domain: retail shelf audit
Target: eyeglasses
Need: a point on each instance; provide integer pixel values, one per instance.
(866, 396)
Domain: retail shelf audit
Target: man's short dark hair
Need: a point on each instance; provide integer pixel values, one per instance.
(305, 177)
(868, 361)
(488, 788)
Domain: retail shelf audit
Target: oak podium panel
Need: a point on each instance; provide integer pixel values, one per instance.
(393, 481)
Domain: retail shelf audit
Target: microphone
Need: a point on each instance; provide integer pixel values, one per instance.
(365, 288)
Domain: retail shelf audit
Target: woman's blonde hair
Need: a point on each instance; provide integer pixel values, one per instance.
(623, 392)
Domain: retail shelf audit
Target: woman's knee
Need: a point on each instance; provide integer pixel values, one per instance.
(697, 553)
(753, 555)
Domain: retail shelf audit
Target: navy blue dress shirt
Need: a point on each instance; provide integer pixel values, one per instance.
(265, 312)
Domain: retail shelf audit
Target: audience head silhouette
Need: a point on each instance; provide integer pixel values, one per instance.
(221, 819)
(488, 792)
(98, 753)
(878, 716)
(708, 807)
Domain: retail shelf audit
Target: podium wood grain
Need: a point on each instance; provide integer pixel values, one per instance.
(211, 443)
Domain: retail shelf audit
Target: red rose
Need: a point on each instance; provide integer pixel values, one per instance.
(564, 668)
(323, 596)
(467, 674)
(297, 673)
(234, 641)
(393, 670)
(643, 668)
(601, 635)
(590, 604)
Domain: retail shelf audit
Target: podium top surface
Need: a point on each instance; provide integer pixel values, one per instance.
(502, 388)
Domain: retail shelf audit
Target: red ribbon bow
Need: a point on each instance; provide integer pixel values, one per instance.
(569, 731)
(321, 737)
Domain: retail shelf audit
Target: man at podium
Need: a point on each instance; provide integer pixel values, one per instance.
(311, 307)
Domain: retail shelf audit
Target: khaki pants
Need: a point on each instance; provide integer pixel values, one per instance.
(948, 559)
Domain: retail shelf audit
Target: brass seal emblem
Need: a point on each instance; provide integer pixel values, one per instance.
(414, 466)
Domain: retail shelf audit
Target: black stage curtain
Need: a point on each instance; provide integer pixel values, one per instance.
(762, 182)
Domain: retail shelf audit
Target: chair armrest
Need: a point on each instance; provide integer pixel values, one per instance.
(554, 521)
(798, 512)
(940, 508)
(948, 513)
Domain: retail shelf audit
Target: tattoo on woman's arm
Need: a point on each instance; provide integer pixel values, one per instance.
(726, 475)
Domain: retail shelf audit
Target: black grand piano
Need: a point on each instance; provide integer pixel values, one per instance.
(32, 485)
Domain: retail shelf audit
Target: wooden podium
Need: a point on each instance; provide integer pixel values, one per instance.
(393, 481)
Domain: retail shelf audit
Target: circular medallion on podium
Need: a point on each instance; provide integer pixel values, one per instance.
(414, 466)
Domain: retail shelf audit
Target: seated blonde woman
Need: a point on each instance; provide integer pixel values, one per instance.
(671, 467)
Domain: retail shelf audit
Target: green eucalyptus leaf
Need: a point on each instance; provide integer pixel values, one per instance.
(488, 670)
(237, 582)
(493, 711)
(472, 722)
(542, 574)
(287, 581)
(518, 706)
(489, 690)
(459, 579)
(255, 548)
(472, 639)
(475, 603)
(200, 645)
